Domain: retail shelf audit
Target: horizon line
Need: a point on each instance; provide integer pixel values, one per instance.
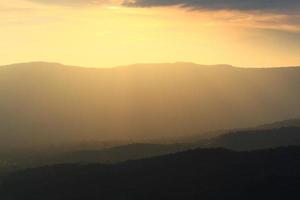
(150, 63)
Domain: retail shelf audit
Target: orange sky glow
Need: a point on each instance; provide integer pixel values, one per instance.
(110, 34)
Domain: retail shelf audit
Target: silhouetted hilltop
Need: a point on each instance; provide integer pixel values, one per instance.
(106, 155)
(280, 124)
(248, 139)
(48, 104)
(257, 139)
(122, 153)
(197, 174)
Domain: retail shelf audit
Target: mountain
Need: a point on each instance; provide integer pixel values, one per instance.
(250, 139)
(257, 139)
(49, 104)
(107, 155)
(280, 124)
(196, 174)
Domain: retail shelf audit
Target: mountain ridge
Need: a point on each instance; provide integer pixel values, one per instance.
(194, 174)
(50, 107)
(143, 64)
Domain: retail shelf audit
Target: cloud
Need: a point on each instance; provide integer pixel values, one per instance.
(290, 23)
(260, 14)
(242, 5)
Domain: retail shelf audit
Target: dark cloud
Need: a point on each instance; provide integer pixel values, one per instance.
(244, 5)
(272, 5)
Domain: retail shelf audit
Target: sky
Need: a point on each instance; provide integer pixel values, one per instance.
(108, 33)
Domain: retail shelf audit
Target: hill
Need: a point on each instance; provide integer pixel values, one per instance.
(196, 174)
(257, 139)
(49, 104)
(280, 124)
(106, 155)
(241, 140)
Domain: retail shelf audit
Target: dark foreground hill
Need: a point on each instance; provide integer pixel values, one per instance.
(44, 104)
(198, 174)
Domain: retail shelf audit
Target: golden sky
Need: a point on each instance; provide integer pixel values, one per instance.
(109, 33)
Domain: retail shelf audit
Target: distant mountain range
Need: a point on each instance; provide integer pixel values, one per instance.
(257, 139)
(240, 140)
(48, 104)
(197, 174)
(106, 155)
(281, 124)
(280, 133)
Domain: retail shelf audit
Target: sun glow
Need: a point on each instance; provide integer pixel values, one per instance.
(111, 34)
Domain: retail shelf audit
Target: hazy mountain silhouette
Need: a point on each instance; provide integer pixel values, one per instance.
(52, 104)
(107, 155)
(257, 139)
(251, 139)
(197, 174)
(280, 124)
